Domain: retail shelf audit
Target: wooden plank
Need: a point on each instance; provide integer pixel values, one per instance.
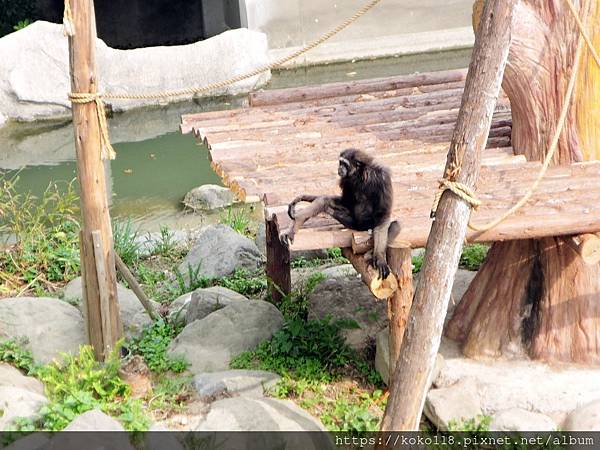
(135, 287)
(105, 316)
(278, 267)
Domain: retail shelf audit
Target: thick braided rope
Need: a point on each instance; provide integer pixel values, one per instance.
(108, 152)
(461, 190)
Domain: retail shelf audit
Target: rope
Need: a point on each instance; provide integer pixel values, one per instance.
(461, 190)
(68, 27)
(107, 152)
(553, 144)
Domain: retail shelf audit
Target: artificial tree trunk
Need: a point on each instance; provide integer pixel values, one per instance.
(538, 297)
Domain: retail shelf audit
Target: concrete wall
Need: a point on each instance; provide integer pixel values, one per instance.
(391, 27)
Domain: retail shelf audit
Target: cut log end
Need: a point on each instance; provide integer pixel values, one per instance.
(589, 248)
(382, 289)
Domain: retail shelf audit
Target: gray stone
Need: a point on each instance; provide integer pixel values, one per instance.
(261, 239)
(349, 298)
(10, 376)
(206, 301)
(34, 69)
(258, 414)
(49, 325)
(522, 383)
(178, 308)
(517, 419)
(219, 251)
(584, 418)
(453, 404)
(208, 196)
(133, 314)
(18, 402)
(160, 439)
(244, 383)
(342, 271)
(382, 357)
(462, 280)
(209, 344)
(34, 441)
(94, 420)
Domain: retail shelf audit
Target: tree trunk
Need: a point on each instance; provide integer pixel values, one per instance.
(539, 297)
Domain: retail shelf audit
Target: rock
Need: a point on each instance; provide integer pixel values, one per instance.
(525, 384)
(18, 402)
(50, 326)
(455, 403)
(133, 314)
(584, 418)
(258, 414)
(349, 298)
(94, 420)
(178, 308)
(10, 376)
(34, 441)
(342, 271)
(382, 357)
(517, 419)
(159, 439)
(244, 383)
(462, 280)
(206, 301)
(209, 344)
(219, 251)
(208, 196)
(261, 239)
(34, 69)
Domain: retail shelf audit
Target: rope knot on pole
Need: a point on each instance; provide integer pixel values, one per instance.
(462, 191)
(108, 152)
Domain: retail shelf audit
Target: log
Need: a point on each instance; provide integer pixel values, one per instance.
(277, 96)
(278, 268)
(588, 247)
(105, 316)
(92, 182)
(423, 333)
(135, 287)
(381, 289)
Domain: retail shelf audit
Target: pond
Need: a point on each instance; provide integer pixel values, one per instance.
(155, 164)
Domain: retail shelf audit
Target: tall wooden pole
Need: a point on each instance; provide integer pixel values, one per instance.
(424, 330)
(90, 173)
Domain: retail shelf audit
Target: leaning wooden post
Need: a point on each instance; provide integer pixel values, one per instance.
(278, 261)
(90, 173)
(424, 329)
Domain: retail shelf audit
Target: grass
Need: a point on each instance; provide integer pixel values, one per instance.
(238, 219)
(471, 258)
(334, 257)
(125, 241)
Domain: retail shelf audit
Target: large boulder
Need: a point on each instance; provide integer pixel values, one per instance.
(9, 376)
(133, 314)
(94, 420)
(517, 419)
(244, 383)
(17, 402)
(209, 344)
(206, 301)
(34, 69)
(50, 326)
(258, 414)
(219, 251)
(453, 404)
(348, 298)
(208, 196)
(584, 418)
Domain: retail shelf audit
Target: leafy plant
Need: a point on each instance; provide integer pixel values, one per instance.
(476, 424)
(473, 256)
(13, 352)
(354, 416)
(417, 263)
(245, 283)
(193, 281)
(125, 241)
(152, 346)
(165, 246)
(22, 24)
(46, 251)
(78, 384)
(15, 11)
(295, 304)
(238, 219)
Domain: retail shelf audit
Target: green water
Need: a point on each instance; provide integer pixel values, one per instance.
(155, 164)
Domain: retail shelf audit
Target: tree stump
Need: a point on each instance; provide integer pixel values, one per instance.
(539, 297)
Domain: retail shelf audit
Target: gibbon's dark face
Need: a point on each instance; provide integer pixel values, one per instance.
(348, 164)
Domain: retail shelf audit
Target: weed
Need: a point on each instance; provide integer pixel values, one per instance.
(193, 281)
(13, 352)
(152, 345)
(295, 304)
(22, 24)
(473, 256)
(245, 283)
(356, 416)
(417, 263)
(166, 246)
(238, 219)
(476, 424)
(125, 239)
(79, 384)
(46, 252)
(170, 393)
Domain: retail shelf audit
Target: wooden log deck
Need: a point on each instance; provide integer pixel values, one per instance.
(288, 141)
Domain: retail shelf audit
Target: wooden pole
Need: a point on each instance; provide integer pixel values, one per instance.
(424, 329)
(278, 261)
(90, 173)
(135, 287)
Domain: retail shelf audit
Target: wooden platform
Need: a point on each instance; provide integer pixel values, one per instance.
(288, 141)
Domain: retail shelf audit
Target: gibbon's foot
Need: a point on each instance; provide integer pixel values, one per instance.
(287, 237)
(381, 266)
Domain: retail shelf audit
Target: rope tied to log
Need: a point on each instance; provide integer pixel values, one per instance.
(460, 189)
(107, 150)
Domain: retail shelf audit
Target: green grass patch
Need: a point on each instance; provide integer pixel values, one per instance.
(473, 256)
(238, 219)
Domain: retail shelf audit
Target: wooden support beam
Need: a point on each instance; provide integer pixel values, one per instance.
(278, 261)
(135, 287)
(381, 289)
(90, 173)
(424, 329)
(587, 246)
(105, 317)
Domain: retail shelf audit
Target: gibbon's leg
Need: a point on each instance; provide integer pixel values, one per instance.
(340, 213)
(300, 198)
(318, 205)
(380, 240)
